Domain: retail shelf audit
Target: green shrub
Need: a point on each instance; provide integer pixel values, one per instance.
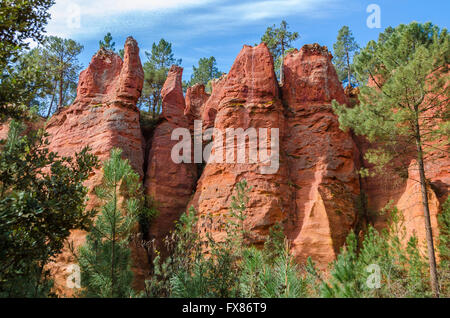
(105, 259)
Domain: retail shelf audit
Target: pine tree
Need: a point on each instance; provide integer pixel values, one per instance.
(271, 272)
(61, 56)
(181, 274)
(156, 69)
(444, 247)
(409, 106)
(107, 43)
(187, 272)
(205, 72)
(344, 50)
(278, 40)
(344, 275)
(313, 278)
(251, 280)
(105, 259)
(275, 244)
(223, 267)
(400, 271)
(283, 279)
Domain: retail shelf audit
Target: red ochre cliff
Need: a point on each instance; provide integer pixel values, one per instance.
(315, 192)
(103, 116)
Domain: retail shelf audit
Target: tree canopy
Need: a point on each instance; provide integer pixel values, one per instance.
(107, 42)
(278, 40)
(20, 22)
(205, 71)
(344, 50)
(42, 198)
(62, 58)
(405, 112)
(156, 68)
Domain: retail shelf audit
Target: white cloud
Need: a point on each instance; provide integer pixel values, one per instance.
(239, 14)
(69, 17)
(275, 8)
(109, 7)
(95, 17)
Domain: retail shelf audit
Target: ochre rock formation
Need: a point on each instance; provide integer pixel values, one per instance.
(410, 203)
(249, 98)
(209, 110)
(310, 77)
(321, 157)
(103, 116)
(168, 183)
(315, 191)
(196, 98)
(4, 130)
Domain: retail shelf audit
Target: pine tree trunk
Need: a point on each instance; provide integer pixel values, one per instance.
(51, 105)
(61, 83)
(426, 212)
(66, 87)
(281, 64)
(154, 103)
(348, 70)
(113, 252)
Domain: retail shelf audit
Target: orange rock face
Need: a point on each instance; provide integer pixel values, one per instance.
(37, 123)
(209, 110)
(248, 98)
(320, 157)
(103, 116)
(313, 189)
(4, 129)
(169, 183)
(410, 203)
(310, 77)
(196, 97)
(109, 80)
(405, 193)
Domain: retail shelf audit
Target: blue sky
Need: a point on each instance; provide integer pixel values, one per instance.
(219, 28)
